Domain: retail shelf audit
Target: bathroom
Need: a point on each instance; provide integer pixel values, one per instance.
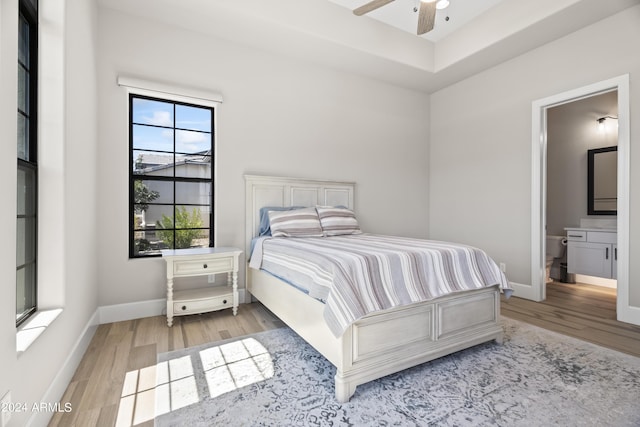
(582, 139)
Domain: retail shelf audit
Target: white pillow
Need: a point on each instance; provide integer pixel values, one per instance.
(295, 223)
(337, 221)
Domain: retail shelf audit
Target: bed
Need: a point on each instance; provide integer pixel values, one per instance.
(381, 342)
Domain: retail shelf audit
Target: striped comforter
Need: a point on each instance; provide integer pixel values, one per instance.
(361, 274)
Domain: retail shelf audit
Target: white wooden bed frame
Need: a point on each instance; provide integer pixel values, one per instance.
(379, 344)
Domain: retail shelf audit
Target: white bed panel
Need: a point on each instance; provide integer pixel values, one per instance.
(479, 309)
(366, 336)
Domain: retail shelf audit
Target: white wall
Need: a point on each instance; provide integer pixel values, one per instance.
(571, 131)
(480, 155)
(8, 173)
(67, 148)
(280, 116)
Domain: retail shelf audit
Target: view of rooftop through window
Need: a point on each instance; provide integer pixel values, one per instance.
(171, 175)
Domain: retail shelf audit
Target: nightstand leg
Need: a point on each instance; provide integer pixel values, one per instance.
(169, 302)
(235, 293)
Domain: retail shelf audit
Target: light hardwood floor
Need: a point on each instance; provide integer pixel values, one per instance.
(95, 392)
(583, 311)
(96, 389)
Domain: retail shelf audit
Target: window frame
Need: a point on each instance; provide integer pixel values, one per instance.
(28, 12)
(210, 224)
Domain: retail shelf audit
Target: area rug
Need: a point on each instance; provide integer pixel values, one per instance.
(535, 378)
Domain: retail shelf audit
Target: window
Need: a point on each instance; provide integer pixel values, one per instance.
(27, 210)
(171, 176)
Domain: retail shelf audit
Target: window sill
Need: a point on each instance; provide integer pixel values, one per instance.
(34, 327)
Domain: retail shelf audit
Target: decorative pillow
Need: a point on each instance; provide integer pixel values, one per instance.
(265, 225)
(295, 223)
(337, 221)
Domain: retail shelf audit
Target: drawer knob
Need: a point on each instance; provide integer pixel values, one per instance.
(224, 301)
(184, 307)
(204, 266)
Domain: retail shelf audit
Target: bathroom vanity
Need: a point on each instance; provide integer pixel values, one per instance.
(592, 252)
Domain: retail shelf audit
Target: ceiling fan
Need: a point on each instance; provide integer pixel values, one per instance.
(426, 14)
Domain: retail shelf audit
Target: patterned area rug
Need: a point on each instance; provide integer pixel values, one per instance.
(536, 378)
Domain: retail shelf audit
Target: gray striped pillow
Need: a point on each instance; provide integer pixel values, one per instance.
(337, 221)
(296, 223)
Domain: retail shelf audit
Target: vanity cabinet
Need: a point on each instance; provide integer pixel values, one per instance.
(592, 252)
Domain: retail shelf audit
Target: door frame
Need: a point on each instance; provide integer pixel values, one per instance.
(537, 291)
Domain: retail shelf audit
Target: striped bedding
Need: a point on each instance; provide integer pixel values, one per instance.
(356, 275)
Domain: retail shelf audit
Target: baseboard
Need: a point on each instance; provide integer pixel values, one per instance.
(597, 281)
(629, 314)
(140, 309)
(132, 310)
(521, 290)
(59, 385)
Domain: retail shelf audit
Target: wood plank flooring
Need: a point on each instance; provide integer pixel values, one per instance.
(97, 390)
(582, 311)
(124, 350)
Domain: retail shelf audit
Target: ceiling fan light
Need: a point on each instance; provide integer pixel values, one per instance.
(442, 4)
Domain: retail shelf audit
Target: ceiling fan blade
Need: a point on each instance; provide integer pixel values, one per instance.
(372, 5)
(426, 17)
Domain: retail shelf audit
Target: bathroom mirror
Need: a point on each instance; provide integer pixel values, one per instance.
(602, 195)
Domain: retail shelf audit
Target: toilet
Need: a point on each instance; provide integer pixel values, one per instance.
(556, 246)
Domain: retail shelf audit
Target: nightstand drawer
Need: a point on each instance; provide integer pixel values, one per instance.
(209, 266)
(202, 300)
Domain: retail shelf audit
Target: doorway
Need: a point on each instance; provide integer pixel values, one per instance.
(537, 290)
(578, 133)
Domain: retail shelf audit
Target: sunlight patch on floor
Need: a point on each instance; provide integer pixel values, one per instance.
(171, 385)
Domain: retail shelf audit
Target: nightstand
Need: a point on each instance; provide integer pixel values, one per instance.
(201, 262)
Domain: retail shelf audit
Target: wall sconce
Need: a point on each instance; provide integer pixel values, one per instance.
(602, 126)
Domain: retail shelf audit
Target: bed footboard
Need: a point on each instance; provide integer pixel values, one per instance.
(389, 341)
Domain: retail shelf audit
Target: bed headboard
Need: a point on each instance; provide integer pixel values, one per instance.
(263, 191)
